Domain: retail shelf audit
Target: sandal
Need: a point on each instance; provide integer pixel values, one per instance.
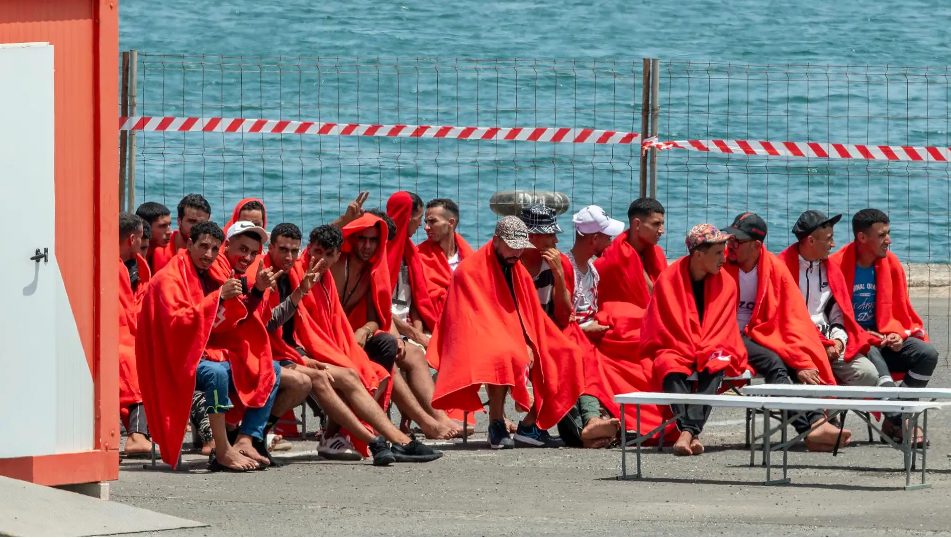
(215, 467)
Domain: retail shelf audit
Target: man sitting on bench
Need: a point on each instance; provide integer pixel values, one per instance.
(882, 307)
(775, 326)
(690, 328)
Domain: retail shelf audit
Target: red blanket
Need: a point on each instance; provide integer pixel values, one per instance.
(399, 250)
(858, 338)
(322, 329)
(673, 336)
(129, 304)
(381, 292)
(621, 270)
(893, 310)
(178, 323)
(481, 339)
(438, 271)
(780, 321)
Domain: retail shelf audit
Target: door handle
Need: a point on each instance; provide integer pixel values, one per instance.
(41, 256)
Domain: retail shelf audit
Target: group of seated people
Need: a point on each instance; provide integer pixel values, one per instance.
(232, 328)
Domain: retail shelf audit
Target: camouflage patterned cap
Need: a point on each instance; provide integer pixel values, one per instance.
(702, 234)
(513, 231)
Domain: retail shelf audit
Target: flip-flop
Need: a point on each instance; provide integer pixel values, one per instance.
(216, 467)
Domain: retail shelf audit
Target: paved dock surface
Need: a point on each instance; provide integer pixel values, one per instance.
(477, 491)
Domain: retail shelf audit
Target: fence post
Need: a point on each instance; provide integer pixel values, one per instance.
(645, 120)
(655, 116)
(130, 151)
(123, 135)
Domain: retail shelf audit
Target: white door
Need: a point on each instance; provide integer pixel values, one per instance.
(31, 290)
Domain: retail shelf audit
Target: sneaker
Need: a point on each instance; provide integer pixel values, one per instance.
(532, 436)
(414, 451)
(338, 448)
(499, 435)
(382, 454)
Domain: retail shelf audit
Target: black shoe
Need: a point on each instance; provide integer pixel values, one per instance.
(261, 447)
(382, 454)
(499, 435)
(415, 452)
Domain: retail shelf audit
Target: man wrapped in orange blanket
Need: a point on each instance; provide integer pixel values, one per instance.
(882, 306)
(134, 278)
(196, 332)
(777, 331)
(690, 328)
(192, 209)
(494, 332)
(443, 249)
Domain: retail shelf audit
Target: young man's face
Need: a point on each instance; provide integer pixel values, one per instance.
(330, 256)
(192, 217)
(144, 247)
(876, 239)
(599, 242)
(134, 243)
(649, 229)
(823, 241)
(543, 241)
(440, 224)
(241, 251)
(742, 252)
(414, 222)
(711, 260)
(253, 215)
(162, 231)
(366, 243)
(204, 251)
(510, 256)
(283, 252)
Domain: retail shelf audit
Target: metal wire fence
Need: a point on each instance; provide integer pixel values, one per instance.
(878, 105)
(308, 180)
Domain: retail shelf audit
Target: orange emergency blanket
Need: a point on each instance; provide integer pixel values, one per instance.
(893, 310)
(780, 321)
(483, 337)
(672, 335)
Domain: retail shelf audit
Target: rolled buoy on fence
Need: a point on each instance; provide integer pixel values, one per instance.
(505, 203)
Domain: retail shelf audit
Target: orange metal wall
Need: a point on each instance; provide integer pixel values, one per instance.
(84, 34)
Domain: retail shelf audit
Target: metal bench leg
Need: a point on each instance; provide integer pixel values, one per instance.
(924, 448)
(465, 428)
(623, 444)
(303, 419)
(749, 417)
(637, 410)
(838, 439)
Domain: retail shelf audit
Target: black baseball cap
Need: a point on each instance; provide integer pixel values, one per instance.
(747, 227)
(811, 221)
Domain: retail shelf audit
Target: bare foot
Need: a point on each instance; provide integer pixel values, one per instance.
(438, 430)
(696, 446)
(470, 428)
(243, 444)
(137, 443)
(823, 438)
(208, 448)
(682, 446)
(604, 442)
(599, 428)
(232, 458)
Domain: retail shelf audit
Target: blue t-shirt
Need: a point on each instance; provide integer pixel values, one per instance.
(863, 297)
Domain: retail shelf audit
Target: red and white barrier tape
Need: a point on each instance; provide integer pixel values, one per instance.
(819, 150)
(565, 135)
(243, 125)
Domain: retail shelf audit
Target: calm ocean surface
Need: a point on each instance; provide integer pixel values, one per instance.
(308, 181)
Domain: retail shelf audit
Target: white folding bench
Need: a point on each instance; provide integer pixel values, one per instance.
(911, 410)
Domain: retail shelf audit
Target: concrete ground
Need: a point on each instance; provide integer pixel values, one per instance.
(477, 491)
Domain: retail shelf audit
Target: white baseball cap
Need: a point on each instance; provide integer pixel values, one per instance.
(246, 226)
(592, 219)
